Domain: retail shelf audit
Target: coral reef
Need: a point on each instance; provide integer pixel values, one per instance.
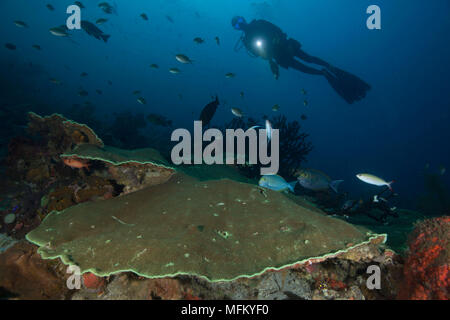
(342, 277)
(49, 179)
(426, 269)
(25, 275)
(216, 229)
(91, 281)
(335, 278)
(92, 188)
(56, 128)
(36, 160)
(203, 232)
(133, 169)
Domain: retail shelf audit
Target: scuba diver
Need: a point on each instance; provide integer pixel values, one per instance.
(263, 39)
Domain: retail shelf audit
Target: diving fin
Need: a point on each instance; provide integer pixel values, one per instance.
(348, 86)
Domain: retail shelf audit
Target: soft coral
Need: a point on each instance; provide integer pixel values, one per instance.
(426, 268)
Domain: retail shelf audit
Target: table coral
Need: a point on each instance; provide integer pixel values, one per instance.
(155, 232)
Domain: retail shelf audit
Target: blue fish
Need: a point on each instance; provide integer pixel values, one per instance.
(276, 183)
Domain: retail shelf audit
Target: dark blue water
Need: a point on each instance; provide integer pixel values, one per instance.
(394, 132)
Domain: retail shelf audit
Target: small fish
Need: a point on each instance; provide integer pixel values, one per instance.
(60, 31)
(101, 21)
(36, 46)
(154, 66)
(316, 180)
(208, 111)
(20, 24)
(230, 75)
(304, 92)
(275, 108)
(136, 92)
(183, 59)
(83, 93)
(79, 4)
(144, 16)
(93, 31)
(10, 46)
(170, 19)
(237, 112)
(217, 40)
(106, 7)
(242, 94)
(55, 81)
(198, 40)
(276, 183)
(303, 117)
(75, 163)
(141, 100)
(180, 96)
(50, 7)
(374, 180)
(305, 103)
(110, 82)
(98, 91)
(83, 74)
(442, 170)
(349, 204)
(174, 70)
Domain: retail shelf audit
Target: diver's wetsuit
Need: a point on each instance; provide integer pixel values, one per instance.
(274, 45)
(264, 39)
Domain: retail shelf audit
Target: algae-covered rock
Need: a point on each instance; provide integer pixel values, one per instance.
(218, 230)
(24, 275)
(61, 132)
(134, 169)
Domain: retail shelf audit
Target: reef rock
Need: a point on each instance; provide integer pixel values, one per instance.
(24, 275)
(134, 169)
(217, 230)
(37, 160)
(62, 134)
